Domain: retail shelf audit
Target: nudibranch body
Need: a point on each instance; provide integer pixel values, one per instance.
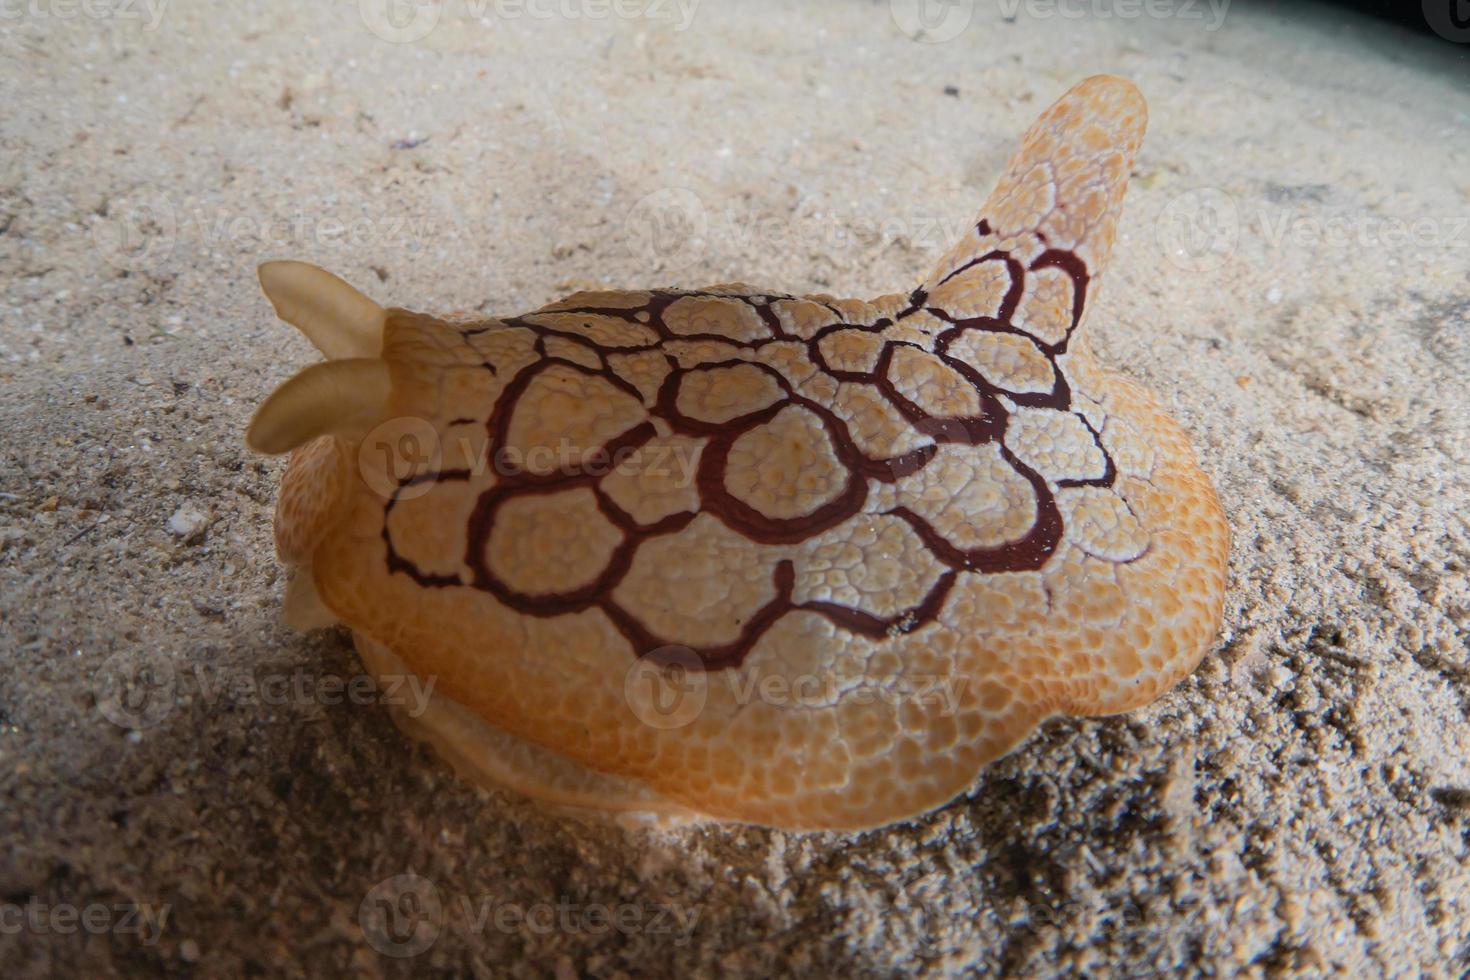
(736, 554)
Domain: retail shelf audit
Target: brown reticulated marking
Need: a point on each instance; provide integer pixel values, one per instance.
(656, 480)
(723, 584)
(1127, 447)
(722, 394)
(889, 305)
(550, 544)
(426, 530)
(979, 290)
(850, 351)
(803, 317)
(1045, 311)
(932, 387)
(644, 370)
(855, 311)
(705, 316)
(1093, 411)
(972, 497)
(848, 518)
(468, 385)
(576, 351)
(918, 328)
(565, 411)
(700, 353)
(1100, 523)
(874, 423)
(789, 358)
(875, 562)
(503, 350)
(741, 417)
(1058, 445)
(1009, 361)
(785, 468)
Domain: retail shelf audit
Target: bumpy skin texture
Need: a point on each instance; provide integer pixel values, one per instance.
(932, 516)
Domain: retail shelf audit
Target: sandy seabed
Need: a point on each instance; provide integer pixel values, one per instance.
(1291, 277)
